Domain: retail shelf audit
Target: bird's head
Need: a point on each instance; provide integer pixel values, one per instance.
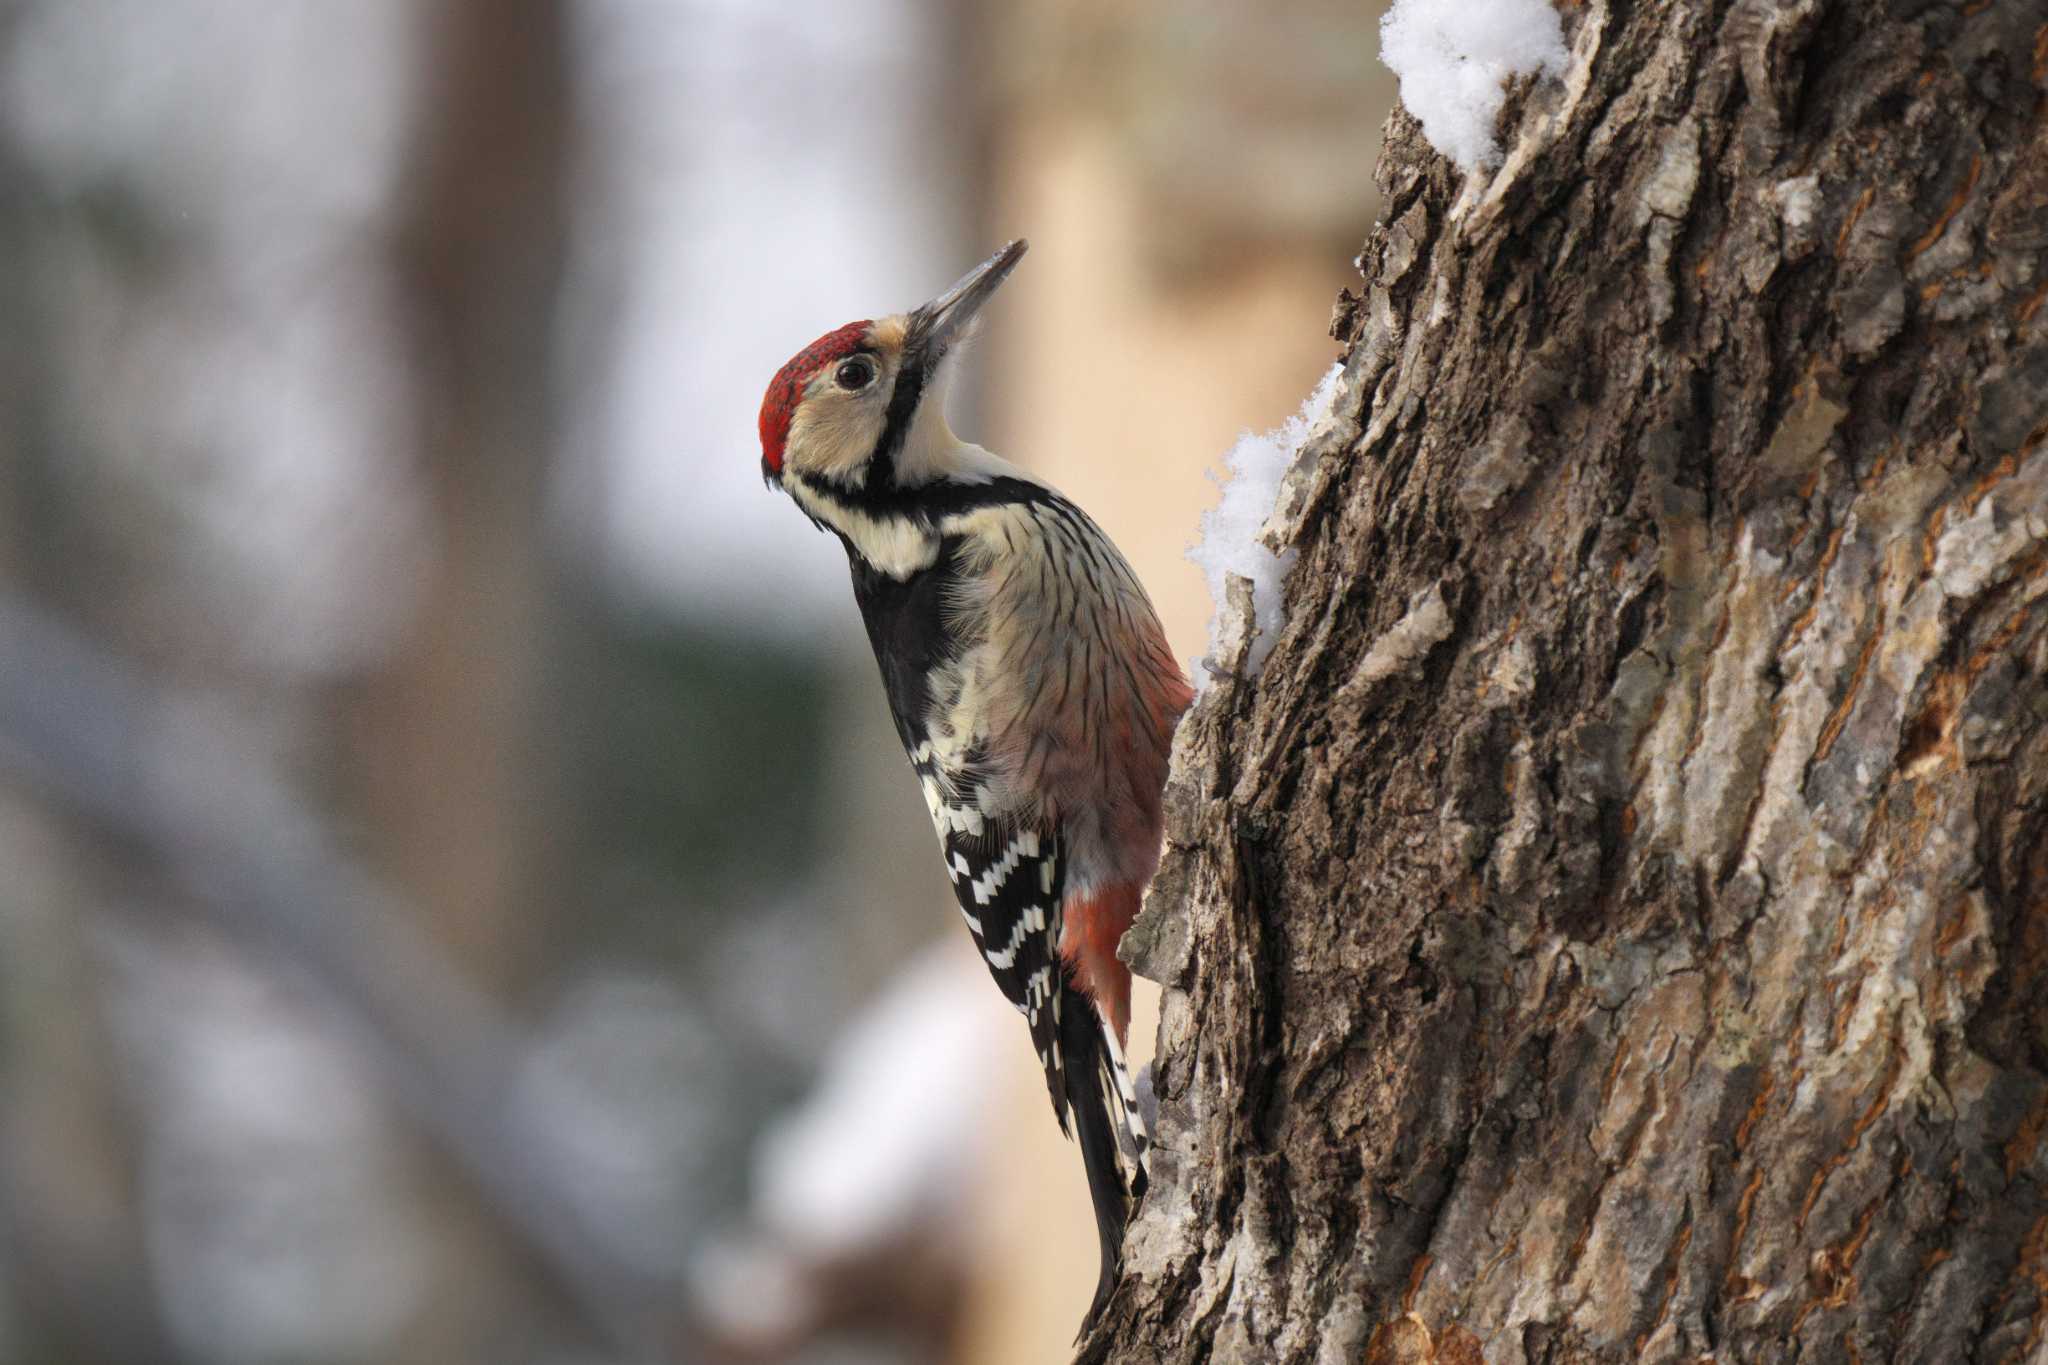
(861, 410)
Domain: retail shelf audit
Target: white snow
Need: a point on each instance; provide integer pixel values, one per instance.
(893, 1136)
(880, 1162)
(1453, 58)
(1229, 543)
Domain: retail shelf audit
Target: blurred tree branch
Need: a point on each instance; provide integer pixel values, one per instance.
(168, 775)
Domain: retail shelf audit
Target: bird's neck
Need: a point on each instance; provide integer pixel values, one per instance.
(899, 529)
(886, 534)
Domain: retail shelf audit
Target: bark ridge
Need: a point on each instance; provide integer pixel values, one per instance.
(1614, 925)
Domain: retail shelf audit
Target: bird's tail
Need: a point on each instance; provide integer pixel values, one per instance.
(1109, 1129)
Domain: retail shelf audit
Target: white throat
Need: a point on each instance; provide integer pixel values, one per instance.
(896, 545)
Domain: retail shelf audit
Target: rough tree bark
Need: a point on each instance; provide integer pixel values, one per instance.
(1614, 926)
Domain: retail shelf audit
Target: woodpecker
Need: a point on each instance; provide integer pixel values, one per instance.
(1031, 685)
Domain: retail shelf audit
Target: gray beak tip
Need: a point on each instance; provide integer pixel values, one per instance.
(949, 313)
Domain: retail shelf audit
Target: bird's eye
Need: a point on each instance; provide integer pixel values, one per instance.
(855, 374)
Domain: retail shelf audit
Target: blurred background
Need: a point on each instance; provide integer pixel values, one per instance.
(461, 898)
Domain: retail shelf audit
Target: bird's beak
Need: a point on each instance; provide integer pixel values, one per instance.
(936, 326)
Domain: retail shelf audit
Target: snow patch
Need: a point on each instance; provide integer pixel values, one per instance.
(892, 1139)
(1453, 61)
(1229, 544)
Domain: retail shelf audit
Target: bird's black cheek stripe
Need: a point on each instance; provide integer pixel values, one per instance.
(903, 401)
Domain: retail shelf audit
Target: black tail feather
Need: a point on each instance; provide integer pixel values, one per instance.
(1086, 1065)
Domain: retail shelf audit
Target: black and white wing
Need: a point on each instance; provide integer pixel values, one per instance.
(1008, 878)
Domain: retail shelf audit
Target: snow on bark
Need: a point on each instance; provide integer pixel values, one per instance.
(1454, 61)
(1230, 545)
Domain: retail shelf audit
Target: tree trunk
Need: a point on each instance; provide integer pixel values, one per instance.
(1614, 926)
(447, 743)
